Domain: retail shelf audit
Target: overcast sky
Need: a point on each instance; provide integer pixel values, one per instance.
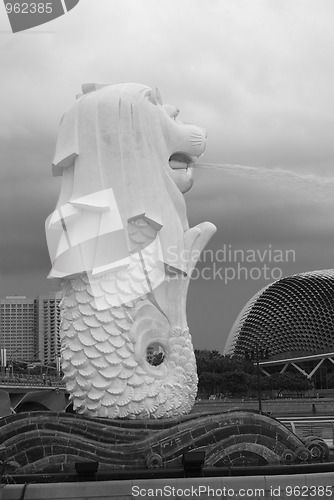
(258, 75)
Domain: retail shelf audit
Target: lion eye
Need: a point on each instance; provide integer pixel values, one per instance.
(175, 114)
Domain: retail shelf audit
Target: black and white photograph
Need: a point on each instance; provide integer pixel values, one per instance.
(166, 249)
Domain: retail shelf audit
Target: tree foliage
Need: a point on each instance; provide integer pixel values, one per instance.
(224, 374)
(330, 381)
(291, 382)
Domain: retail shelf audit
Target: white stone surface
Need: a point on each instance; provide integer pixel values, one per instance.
(313, 485)
(120, 241)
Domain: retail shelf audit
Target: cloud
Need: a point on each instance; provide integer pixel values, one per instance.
(257, 75)
(255, 203)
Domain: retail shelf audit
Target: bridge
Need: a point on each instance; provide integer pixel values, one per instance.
(20, 393)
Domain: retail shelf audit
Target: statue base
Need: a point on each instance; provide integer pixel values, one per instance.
(48, 442)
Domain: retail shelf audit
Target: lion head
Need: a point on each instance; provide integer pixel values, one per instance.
(121, 150)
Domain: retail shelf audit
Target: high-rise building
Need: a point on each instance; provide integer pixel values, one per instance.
(29, 327)
(48, 314)
(18, 323)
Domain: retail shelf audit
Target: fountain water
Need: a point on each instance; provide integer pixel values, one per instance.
(316, 188)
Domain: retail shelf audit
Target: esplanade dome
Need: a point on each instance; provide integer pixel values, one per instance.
(292, 316)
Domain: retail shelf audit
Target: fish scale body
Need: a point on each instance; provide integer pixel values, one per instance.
(107, 323)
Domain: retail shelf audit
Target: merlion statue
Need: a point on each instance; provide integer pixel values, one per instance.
(119, 241)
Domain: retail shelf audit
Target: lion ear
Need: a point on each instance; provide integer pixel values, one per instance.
(155, 96)
(159, 96)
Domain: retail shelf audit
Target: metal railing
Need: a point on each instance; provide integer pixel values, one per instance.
(306, 427)
(31, 380)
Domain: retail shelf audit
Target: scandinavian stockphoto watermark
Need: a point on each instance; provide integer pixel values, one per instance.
(229, 263)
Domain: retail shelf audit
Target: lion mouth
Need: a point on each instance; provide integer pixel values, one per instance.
(181, 161)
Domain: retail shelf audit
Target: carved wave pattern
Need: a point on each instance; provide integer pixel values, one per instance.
(44, 442)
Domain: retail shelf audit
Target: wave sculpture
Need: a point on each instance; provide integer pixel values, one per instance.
(120, 243)
(47, 442)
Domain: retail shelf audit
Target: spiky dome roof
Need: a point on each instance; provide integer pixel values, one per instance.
(292, 316)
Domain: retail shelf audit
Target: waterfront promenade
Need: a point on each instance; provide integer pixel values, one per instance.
(279, 407)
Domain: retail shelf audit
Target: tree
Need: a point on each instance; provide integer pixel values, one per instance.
(214, 361)
(330, 381)
(235, 382)
(210, 381)
(292, 382)
(300, 383)
(219, 373)
(252, 382)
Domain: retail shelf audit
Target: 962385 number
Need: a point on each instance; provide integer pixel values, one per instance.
(308, 491)
(29, 8)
